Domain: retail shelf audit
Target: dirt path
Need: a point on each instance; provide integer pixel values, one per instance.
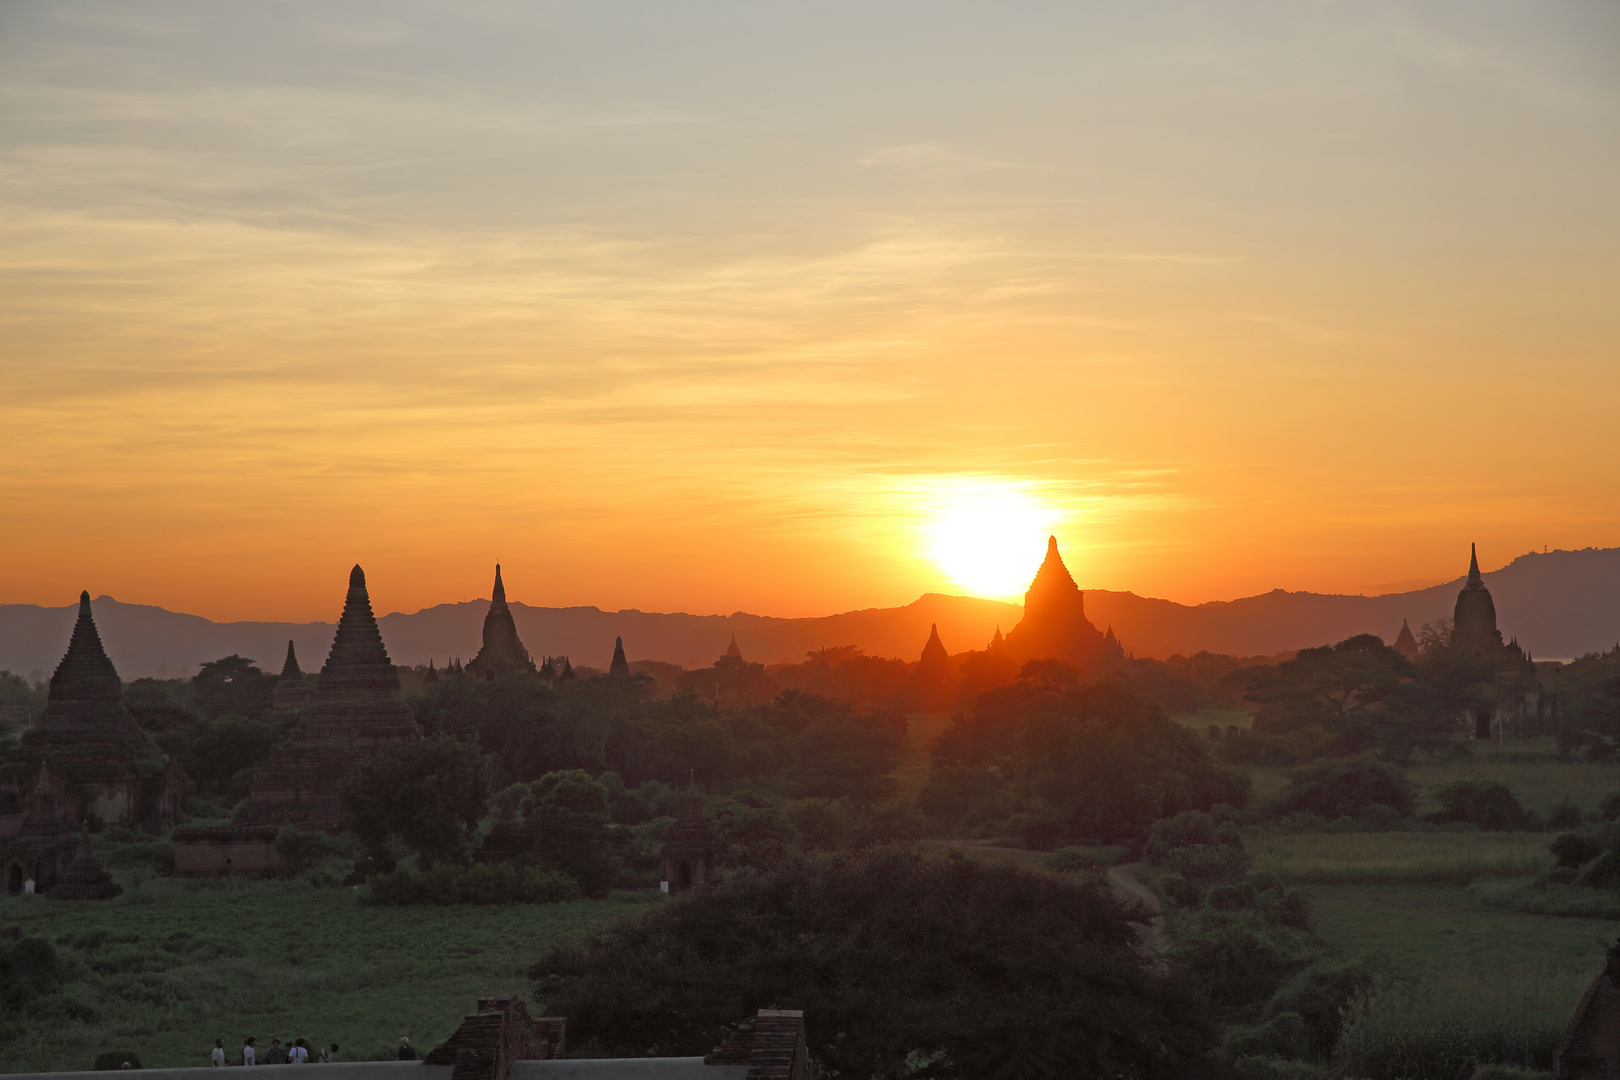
(1152, 933)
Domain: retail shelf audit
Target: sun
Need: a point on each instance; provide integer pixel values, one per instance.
(988, 537)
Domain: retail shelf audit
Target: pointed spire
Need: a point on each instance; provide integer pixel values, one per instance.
(498, 594)
(1473, 566)
(732, 650)
(85, 672)
(358, 643)
(567, 670)
(290, 668)
(619, 666)
(934, 651)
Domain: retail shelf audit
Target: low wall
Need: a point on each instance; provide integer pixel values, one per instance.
(342, 1070)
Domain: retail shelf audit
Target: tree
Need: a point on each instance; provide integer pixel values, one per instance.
(233, 684)
(904, 966)
(1096, 760)
(430, 793)
(567, 818)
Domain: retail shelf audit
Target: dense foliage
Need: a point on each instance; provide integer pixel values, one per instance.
(1066, 759)
(430, 794)
(904, 966)
(797, 745)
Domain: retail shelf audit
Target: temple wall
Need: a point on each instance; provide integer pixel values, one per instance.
(212, 856)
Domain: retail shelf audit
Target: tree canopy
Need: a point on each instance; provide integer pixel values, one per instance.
(904, 966)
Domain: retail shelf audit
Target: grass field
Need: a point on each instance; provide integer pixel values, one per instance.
(1469, 983)
(1531, 769)
(1397, 857)
(183, 963)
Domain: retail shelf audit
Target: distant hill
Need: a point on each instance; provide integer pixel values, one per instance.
(1560, 604)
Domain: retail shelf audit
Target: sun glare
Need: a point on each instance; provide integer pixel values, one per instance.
(989, 538)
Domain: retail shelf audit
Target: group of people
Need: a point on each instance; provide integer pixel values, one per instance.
(294, 1053)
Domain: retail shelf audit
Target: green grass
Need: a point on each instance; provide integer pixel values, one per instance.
(187, 962)
(1469, 983)
(1423, 928)
(1530, 768)
(1397, 857)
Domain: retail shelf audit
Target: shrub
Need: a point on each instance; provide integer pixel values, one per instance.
(1193, 845)
(1566, 815)
(1335, 789)
(975, 968)
(28, 969)
(301, 850)
(505, 883)
(115, 1059)
(1486, 804)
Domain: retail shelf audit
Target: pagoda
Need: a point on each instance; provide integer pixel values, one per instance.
(84, 879)
(503, 654)
(1054, 623)
(689, 856)
(619, 666)
(357, 709)
(292, 690)
(1405, 643)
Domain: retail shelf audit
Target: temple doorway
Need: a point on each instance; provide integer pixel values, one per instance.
(14, 879)
(683, 877)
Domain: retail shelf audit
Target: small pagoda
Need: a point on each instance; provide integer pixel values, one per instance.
(689, 857)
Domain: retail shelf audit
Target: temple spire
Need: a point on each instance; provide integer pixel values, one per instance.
(85, 671)
(498, 596)
(290, 669)
(1473, 566)
(619, 666)
(732, 650)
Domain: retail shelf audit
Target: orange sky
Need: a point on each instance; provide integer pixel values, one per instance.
(795, 309)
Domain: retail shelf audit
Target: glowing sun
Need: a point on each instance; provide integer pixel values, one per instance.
(989, 538)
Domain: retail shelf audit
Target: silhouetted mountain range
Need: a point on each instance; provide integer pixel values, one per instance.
(1560, 604)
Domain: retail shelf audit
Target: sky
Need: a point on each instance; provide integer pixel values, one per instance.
(798, 308)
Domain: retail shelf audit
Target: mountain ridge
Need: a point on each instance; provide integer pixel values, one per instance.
(1558, 604)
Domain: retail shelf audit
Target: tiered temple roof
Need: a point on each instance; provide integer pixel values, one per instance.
(619, 666)
(503, 653)
(357, 709)
(292, 690)
(1054, 622)
(84, 879)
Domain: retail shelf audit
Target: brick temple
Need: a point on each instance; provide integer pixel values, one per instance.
(85, 761)
(356, 709)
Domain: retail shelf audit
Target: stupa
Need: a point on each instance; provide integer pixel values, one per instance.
(102, 764)
(357, 709)
(933, 684)
(1473, 621)
(84, 879)
(1054, 623)
(619, 666)
(732, 650)
(1405, 643)
(292, 690)
(502, 654)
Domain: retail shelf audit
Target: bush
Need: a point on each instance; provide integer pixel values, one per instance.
(28, 969)
(1485, 804)
(505, 883)
(115, 1059)
(976, 968)
(1193, 845)
(1335, 789)
(301, 850)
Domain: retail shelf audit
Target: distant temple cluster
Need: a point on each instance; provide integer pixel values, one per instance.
(86, 761)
